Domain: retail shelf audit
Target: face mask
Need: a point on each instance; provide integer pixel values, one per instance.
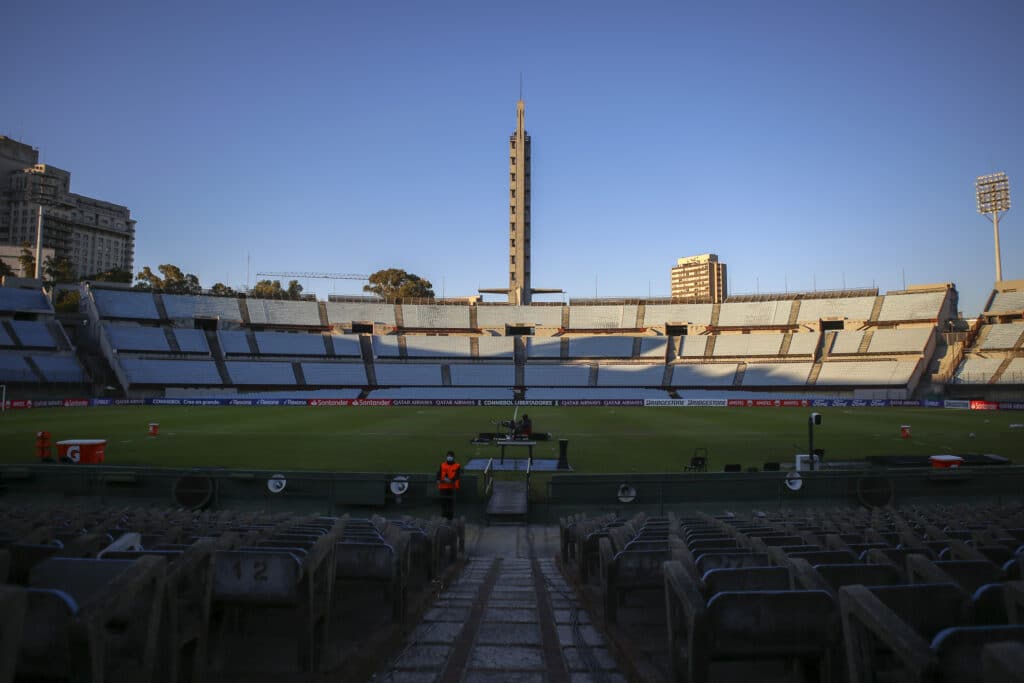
(450, 459)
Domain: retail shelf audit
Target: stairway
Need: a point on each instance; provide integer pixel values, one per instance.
(506, 618)
(161, 307)
(865, 341)
(300, 376)
(509, 503)
(787, 340)
(213, 341)
(998, 374)
(876, 309)
(812, 379)
(172, 340)
(737, 379)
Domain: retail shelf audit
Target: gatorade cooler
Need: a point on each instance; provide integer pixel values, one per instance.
(82, 451)
(904, 431)
(941, 462)
(154, 428)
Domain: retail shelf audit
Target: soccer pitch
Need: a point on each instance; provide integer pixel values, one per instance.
(413, 439)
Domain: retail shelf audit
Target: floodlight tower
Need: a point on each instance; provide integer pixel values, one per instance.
(994, 198)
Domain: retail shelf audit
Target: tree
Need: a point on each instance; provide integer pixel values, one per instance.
(294, 290)
(394, 283)
(58, 270)
(173, 281)
(27, 260)
(114, 275)
(266, 289)
(67, 301)
(221, 289)
(6, 270)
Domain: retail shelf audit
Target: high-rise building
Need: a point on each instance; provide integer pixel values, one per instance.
(699, 278)
(519, 289)
(94, 235)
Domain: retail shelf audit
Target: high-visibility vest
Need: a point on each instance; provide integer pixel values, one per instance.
(450, 472)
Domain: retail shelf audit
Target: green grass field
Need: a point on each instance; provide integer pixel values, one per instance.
(377, 439)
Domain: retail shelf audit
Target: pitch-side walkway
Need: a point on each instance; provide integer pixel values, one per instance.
(509, 617)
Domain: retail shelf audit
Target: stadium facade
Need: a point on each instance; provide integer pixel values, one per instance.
(93, 234)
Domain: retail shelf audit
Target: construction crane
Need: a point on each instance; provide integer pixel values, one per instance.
(322, 276)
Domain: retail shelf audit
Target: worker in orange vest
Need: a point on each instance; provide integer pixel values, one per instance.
(448, 481)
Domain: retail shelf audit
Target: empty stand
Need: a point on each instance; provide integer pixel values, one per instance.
(911, 340)
(1013, 373)
(128, 305)
(677, 314)
(184, 307)
(849, 308)
(346, 345)
(653, 347)
(13, 368)
(601, 347)
(537, 375)
(14, 300)
(776, 374)
(630, 375)
(710, 374)
(692, 347)
(601, 317)
(480, 374)
(1007, 302)
(191, 341)
(977, 370)
(290, 344)
(260, 372)
(437, 316)
(803, 344)
(408, 374)
(283, 313)
(1003, 336)
(544, 347)
(496, 347)
(497, 316)
(170, 372)
(136, 338)
(847, 342)
(866, 372)
(235, 342)
(346, 313)
(766, 344)
(60, 368)
(417, 346)
(919, 306)
(334, 374)
(33, 334)
(755, 314)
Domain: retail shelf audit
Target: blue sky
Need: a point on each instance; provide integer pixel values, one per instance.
(812, 145)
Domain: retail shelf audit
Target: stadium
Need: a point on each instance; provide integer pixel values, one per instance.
(821, 485)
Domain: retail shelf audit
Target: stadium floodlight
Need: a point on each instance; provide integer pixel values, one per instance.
(993, 192)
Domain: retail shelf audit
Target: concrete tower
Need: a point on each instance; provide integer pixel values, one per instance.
(519, 291)
(519, 211)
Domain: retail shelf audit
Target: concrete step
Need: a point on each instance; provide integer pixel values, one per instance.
(504, 619)
(509, 499)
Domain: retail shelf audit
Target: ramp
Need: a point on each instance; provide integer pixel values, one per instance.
(508, 503)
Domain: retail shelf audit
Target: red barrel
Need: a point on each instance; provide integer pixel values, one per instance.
(905, 431)
(82, 451)
(154, 428)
